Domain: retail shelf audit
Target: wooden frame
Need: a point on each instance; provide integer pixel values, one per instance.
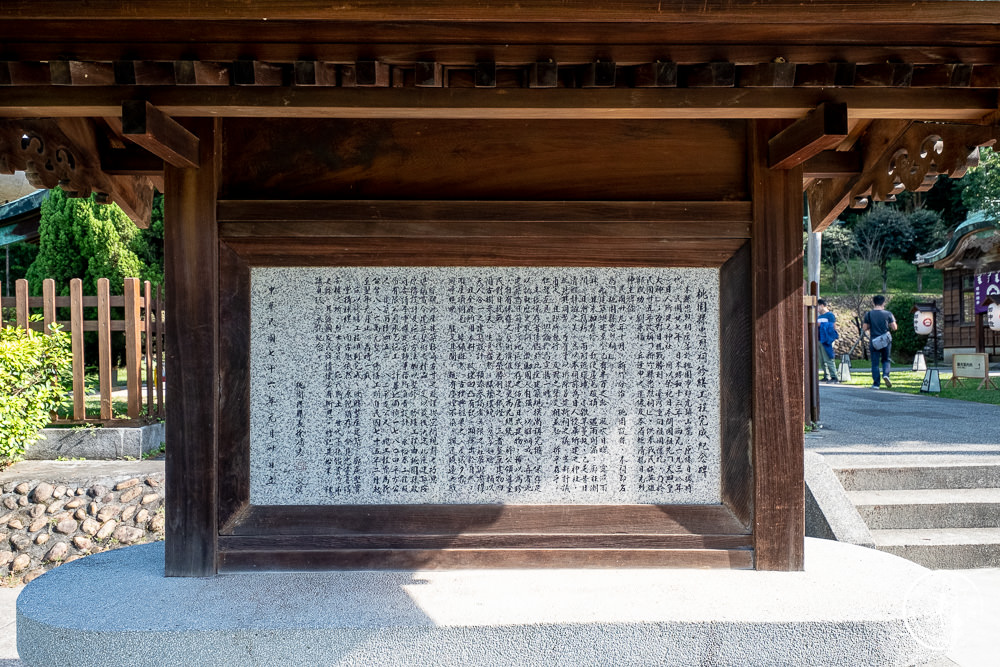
(482, 535)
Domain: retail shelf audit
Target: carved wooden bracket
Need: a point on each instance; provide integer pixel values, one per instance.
(899, 156)
(64, 153)
(924, 152)
(49, 158)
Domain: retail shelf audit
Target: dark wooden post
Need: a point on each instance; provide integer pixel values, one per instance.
(191, 265)
(776, 270)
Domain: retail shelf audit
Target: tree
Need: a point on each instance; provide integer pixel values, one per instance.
(929, 232)
(884, 233)
(79, 238)
(837, 249)
(981, 189)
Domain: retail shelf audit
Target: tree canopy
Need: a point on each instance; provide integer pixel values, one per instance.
(80, 238)
(981, 189)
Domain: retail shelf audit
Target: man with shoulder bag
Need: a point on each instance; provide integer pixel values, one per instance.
(879, 323)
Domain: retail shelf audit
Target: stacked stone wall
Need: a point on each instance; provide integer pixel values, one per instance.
(45, 524)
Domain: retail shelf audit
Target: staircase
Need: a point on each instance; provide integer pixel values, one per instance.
(941, 511)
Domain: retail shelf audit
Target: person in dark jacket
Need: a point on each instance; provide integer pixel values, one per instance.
(879, 322)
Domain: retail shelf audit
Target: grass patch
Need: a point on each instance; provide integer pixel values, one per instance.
(908, 382)
(902, 278)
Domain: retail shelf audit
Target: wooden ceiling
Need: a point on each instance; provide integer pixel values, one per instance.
(887, 63)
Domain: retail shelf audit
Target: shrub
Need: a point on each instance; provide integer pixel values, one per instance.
(32, 367)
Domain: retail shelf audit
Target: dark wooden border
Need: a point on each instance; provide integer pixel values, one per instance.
(710, 234)
(192, 277)
(778, 375)
(735, 324)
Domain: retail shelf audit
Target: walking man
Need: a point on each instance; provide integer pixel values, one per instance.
(878, 322)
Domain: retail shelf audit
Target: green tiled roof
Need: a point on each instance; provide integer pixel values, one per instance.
(976, 222)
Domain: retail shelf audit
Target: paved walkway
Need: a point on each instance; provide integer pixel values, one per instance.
(860, 423)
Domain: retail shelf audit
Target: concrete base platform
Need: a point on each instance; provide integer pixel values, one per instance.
(852, 606)
(97, 442)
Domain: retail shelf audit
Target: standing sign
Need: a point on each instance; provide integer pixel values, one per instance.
(976, 366)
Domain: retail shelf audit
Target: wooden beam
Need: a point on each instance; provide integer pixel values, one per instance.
(655, 103)
(543, 74)
(659, 74)
(767, 75)
(709, 75)
(955, 75)
(365, 74)
(132, 160)
(486, 74)
(134, 195)
(884, 75)
(428, 74)
(832, 164)
(823, 128)
(160, 134)
(75, 73)
(191, 263)
(201, 73)
(778, 402)
(599, 74)
(257, 73)
(511, 11)
(823, 75)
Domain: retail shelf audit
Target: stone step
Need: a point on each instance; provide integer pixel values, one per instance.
(925, 475)
(942, 548)
(928, 508)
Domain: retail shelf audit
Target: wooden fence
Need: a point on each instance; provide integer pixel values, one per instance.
(144, 336)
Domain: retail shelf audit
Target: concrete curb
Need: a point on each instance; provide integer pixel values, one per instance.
(97, 443)
(830, 514)
(851, 606)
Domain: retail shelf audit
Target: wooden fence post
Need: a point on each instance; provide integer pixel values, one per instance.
(21, 290)
(76, 335)
(104, 344)
(160, 344)
(148, 321)
(48, 304)
(133, 354)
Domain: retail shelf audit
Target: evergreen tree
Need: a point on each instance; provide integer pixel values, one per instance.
(884, 233)
(79, 238)
(929, 232)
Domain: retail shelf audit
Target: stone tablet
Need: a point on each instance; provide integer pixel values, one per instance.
(460, 385)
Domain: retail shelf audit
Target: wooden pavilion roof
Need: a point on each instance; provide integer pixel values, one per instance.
(885, 64)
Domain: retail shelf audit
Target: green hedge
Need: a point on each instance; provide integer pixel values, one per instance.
(32, 368)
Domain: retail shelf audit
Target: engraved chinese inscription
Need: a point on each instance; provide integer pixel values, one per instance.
(484, 385)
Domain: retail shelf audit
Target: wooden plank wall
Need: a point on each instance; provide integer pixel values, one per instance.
(485, 159)
(437, 175)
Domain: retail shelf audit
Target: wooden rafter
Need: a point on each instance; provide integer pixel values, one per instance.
(161, 135)
(899, 156)
(822, 129)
